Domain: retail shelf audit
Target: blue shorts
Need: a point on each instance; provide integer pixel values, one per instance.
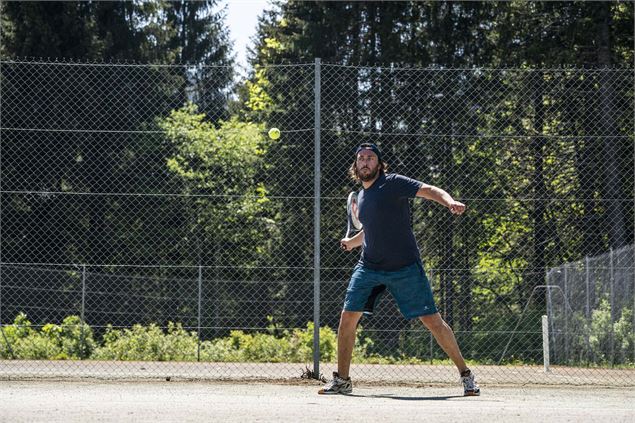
(409, 286)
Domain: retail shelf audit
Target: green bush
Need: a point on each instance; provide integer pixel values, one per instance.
(602, 333)
(277, 346)
(151, 343)
(148, 343)
(590, 342)
(70, 340)
(598, 340)
(624, 337)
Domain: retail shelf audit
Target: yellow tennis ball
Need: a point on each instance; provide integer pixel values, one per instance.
(274, 133)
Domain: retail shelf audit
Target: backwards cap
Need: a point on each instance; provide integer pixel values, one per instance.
(369, 146)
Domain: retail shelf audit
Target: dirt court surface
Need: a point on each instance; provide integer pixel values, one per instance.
(148, 401)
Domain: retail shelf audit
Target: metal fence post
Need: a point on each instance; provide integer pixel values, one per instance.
(588, 282)
(612, 300)
(1, 213)
(545, 343)
(83, 314)
(588, 305)
(0, 283)
(566, 315)
(316, 225)
(198, 329)
(431, 344)
(550, 317)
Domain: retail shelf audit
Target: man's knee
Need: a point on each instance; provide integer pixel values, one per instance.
(434, 322)
(349, 319)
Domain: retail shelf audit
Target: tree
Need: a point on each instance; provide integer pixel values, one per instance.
(506, 129)
(234, 225)
(85, 130)
(202, 41)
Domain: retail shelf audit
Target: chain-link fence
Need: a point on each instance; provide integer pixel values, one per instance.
(590, 310)
(141, 235)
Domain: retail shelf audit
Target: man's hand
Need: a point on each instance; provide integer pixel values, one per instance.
(456, 207)
(347, 244)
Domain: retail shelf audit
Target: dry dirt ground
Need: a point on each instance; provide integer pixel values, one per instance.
(197, 401)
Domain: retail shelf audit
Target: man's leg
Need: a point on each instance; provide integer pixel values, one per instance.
(346, 341)
(445, 338)
(341, 383)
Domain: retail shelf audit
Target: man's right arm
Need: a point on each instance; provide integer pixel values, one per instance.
(348, 244)
(431, 192)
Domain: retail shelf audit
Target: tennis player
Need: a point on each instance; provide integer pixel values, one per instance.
(390, 257)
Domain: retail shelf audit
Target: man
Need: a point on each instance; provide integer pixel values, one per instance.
(390, 257)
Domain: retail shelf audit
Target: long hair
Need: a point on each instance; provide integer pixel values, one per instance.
(352, 172)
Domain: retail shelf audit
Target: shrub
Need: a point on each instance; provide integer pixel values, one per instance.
(148, 343)
(625, 337)
(601, 341)
(66, 341)
(276, 346)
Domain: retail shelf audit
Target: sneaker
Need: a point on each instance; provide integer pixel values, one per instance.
(337, 386)
(470, 387)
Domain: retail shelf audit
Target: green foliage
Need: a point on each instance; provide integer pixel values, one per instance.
(293, 346)
(241, 219)
(599, 331)
(152, 32)
(602, 334)
(597, 340)
(148, 343)
(152, 343)
(70, 340)
(625, 337)
(225, 161)
(511, 158)
(210, 157)
(155, 33)
(277, 345)
(258, 100)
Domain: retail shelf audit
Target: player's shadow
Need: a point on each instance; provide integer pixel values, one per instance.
(402, 398)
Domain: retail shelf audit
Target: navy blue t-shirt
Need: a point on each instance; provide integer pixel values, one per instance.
(384, 210)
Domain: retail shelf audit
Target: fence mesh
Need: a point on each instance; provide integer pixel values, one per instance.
(590, 306)
(183, 238)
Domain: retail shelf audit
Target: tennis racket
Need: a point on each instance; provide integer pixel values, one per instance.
(354, 225)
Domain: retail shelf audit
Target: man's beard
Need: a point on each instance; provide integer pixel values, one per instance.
(369, 176)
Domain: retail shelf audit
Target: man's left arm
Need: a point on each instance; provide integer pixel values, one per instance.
(430, 192)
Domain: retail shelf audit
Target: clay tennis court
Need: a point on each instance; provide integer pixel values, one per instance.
(154, 401)
(70, 391)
